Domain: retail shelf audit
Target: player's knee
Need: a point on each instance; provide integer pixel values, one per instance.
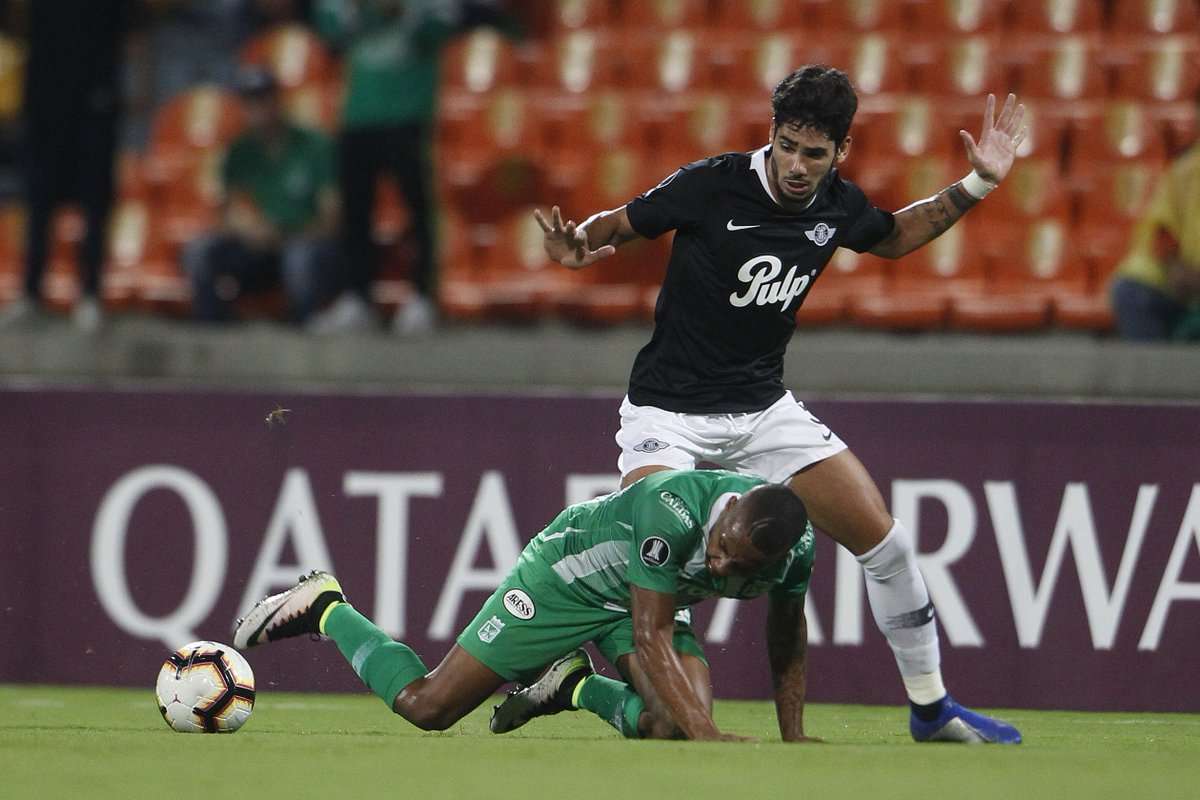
(425, 712)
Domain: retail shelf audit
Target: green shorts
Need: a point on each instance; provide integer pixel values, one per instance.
(532, 619)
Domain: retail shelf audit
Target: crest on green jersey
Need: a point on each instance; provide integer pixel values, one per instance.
(678, 508)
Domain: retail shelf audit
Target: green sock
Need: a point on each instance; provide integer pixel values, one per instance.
(384, 665)
(612, 701)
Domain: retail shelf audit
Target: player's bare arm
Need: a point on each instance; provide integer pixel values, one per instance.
(991, 159)
(578, 246)
(653, 636)
(787, 650)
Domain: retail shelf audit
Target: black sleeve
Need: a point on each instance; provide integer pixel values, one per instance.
(678, 202)
(868, 225)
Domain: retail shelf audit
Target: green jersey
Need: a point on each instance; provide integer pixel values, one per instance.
(392, 56)
(571, 583)
(653, 535)
(285, 184)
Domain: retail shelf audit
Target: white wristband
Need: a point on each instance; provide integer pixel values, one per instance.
(976, 186)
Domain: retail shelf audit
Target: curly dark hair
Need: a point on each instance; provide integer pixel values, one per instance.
(816, 96)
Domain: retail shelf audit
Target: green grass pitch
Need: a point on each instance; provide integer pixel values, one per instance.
(111, 743)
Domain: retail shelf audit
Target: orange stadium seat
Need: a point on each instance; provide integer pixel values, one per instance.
(612, 291)
(661, 15)
(893, 183)
(132, 239)
(60, 284)
(763, 15)
(756, 62)
(475, 131)
(964, 66)
(675, 61)
(1034, 189)
(189, 203)
(574, 14)
(848, 277)
(877, 63)
(1120, 131)
(574, 61)
(910, 126)
(1161, 69)
(1038, 263)
(1178, 124)
(479, 62)
(294, 54)
(460, 289)
(925, 283)
(864, 15)
(1155, 16)
(188, 126)
(1061, 68)
(704, 125)
(518, 279)
(573, 130)
(1057, 16)
(12, 246)
(1111, 202)
(960, 17)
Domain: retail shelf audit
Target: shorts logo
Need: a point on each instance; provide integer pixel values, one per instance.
(678, 508)
(519, 604)
(490, 630)
(650, 445)
(655, 551)
(821, 234)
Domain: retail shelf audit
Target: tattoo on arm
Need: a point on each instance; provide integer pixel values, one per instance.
(944, 209)
(925, 220)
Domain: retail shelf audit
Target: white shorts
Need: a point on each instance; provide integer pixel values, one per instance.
(773, 443)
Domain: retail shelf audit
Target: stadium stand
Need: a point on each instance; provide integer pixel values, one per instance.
(609, 96)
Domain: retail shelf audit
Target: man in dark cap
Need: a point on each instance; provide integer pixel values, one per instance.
(279, 212)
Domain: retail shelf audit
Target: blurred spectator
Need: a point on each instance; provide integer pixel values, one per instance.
(280, 212)
(186, 42)
(1156, 293)
(392, 51)
(71, 109)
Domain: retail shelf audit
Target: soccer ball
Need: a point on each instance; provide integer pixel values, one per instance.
(205, 687)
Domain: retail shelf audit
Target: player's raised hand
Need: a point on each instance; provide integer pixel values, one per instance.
(567, 243)
(993, 155)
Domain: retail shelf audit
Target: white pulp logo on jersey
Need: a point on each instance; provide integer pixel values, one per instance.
(821, 234)
(519, 604)
(655, 551)
(490, 630)
(765, 287)
(678, 508)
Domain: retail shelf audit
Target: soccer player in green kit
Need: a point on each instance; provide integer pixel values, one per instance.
(621, 571)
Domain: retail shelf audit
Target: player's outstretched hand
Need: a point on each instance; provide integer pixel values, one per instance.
(567, 243)
(993, 155)
(733, 737)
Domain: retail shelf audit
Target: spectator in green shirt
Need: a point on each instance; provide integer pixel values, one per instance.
(279, 215)
(391, 50)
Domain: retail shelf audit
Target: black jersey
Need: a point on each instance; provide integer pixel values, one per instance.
(740, 266)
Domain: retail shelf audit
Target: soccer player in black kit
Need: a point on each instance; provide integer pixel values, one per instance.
(753, 231)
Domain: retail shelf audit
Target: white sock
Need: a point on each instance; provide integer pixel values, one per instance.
(904, 614)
